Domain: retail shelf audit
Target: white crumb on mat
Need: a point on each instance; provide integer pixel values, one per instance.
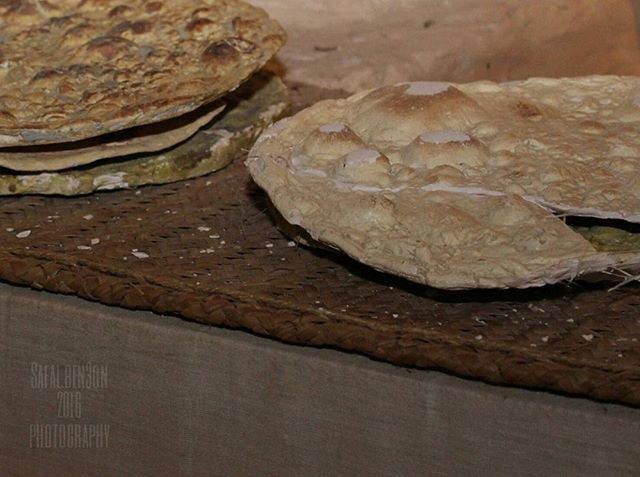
(95, 241)
(291, 243)
(269, 245)
(588, 337)
(140, 255)
(204, 229)
(214, 236)
(395, 315)
(83, 247)
(23, 234)
(478, 337)
(88, 217)
(544, 339)
(207, 250)
(10, 229)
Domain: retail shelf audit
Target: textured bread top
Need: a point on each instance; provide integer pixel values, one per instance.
(73, 69)
(454, 185)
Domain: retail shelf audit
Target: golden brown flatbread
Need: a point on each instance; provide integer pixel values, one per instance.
(74, 69)
(455, 185)
(249, 109)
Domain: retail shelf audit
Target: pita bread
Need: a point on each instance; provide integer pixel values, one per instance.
(74, 69)
(455, 185)
(250, 109)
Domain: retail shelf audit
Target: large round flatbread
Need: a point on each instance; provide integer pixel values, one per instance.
(250, 109)
(73, 69)
(456, 185)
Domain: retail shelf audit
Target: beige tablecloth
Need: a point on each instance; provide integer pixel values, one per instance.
(180, 398)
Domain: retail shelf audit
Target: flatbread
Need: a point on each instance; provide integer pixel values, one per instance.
(73, 69)
(456, 186)
(250, 109)
(147, 138)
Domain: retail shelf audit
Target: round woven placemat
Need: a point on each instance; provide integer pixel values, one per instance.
(205, 249)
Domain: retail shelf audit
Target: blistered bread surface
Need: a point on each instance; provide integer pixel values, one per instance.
(456, 185)
(73, 69)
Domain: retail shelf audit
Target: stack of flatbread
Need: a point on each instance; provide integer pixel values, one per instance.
(105, 94)
(459, 186)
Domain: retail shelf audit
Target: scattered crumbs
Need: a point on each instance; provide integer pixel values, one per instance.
(283, 259)
(478, 337)
(619, 355)
(214, 236)
(207, 250)
(181, 257)
(139, 219)
(125, 258)
(138, 192)
(570, 320)
(343, 310)
(83, 247)
(291, 243)
(139, 254)
(167, 211)
(532, 307)
(95, 241)
(53, 216)
(23, 234)
(10, 229)
(533, 345)
(197, 283)
(195, 274)
(204, 229)
(222, 242)
(544, 339)
(587, 337)
(439, 323)
(269, 245)
(395, 315)
(208, 183)
(317, 302)
(87, 217)
(390, 288)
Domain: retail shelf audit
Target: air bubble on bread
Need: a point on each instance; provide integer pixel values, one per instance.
(364, 166)
(330, 141)
(425, 88)
(441, 137)
(443, 148)
(391, 116)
